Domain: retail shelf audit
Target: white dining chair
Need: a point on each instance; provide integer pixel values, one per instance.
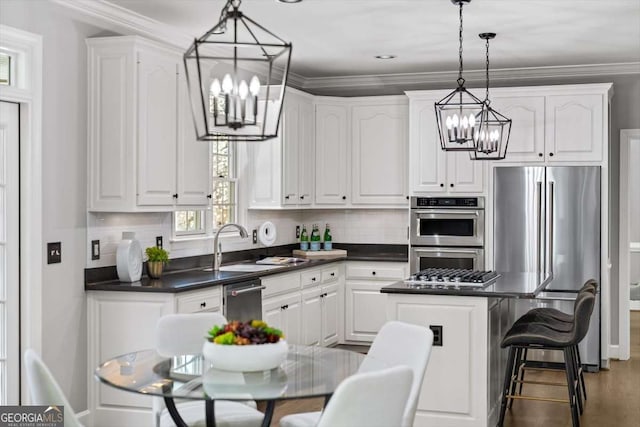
(396, 344)
(44, 389)
(372, 399)
(183, 334)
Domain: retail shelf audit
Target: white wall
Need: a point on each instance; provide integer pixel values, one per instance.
(64, 191)
(634, 205)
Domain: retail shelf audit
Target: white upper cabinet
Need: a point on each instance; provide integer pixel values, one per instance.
(433, 170)
(379, 151)
(331, 153)
(142, 157)
(575, 130)
(526, 143)
(282, 167)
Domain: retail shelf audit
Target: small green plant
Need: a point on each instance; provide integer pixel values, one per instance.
(156, 254)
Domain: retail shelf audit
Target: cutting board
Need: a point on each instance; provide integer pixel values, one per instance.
(334, 253)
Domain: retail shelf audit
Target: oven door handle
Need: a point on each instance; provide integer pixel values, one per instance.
(447, 212)
(448, 251)
(235, 293)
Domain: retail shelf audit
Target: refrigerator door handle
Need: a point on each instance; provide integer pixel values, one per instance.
(551, 213)
(539, 231)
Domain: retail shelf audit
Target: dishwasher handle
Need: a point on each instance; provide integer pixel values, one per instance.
(236, 292)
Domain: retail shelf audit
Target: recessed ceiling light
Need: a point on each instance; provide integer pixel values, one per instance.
(385, 56)
(289, 1)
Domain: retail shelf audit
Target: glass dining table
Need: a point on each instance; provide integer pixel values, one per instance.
(308, 371)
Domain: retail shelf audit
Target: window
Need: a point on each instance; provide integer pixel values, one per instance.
(5, 69)
(224, 195)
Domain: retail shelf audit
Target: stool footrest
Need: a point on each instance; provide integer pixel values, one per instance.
(544, 399)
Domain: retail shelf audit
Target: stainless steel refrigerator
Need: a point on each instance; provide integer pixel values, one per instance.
(547, 219)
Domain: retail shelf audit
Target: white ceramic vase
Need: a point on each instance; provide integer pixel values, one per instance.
(129, 258)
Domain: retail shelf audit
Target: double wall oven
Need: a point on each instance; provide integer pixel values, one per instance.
(447, 232)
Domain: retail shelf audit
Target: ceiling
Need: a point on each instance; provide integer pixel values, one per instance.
(341, 37)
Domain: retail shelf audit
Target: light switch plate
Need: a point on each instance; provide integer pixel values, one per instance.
(95, 250)
(255, 236)
(54, 253)
(297, 231)
(159, 241)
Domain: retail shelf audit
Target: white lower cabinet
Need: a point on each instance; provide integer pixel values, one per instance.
(122, 322)
(365, 306)
(330, 314)
(321, 302)
(311, 315)
(284, 312)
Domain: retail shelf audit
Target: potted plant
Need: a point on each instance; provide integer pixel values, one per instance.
(156, 259)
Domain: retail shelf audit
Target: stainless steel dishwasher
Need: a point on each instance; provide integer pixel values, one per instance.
(243, 300)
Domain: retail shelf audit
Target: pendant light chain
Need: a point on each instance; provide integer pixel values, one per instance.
(487, 74)
(460, 79)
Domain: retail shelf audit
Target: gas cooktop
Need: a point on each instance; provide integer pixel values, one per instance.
(451, 277)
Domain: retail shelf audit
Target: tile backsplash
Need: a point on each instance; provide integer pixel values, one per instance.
(388, 226)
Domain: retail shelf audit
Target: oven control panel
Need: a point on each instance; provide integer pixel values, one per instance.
(447, 202)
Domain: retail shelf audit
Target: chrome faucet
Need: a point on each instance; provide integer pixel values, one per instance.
(217, 250)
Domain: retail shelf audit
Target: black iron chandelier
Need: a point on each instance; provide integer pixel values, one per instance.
(236, 77)
(493, 134)
(458, 114)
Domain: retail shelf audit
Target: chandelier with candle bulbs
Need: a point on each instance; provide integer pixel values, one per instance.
(236, 77)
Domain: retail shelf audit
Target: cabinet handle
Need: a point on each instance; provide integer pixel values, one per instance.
(407, 197)
(313, 279)
(321, 295)
(550, 154)
(441, 185)
(284, 307)
(203, 304)
(451, 185)
(209, 196)
(344, 197)
(373, 273)
(175, 196)
(333, 274)
(286, 197)
(540, 154)
(301, 197)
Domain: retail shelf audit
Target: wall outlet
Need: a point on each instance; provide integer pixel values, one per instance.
(437, 335)
(255, 236)
(297, 231)
(95, 250)
(159, 241)
(54, 253)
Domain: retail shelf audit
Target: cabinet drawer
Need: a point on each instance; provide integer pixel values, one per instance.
(310, 278)
(330, 274)
(207, 300)
(377, 271)
(280, 283)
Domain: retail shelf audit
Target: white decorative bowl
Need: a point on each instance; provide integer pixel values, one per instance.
(243, 358)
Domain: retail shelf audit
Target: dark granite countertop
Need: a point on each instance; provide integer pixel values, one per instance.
(508, 285)
(188, 274)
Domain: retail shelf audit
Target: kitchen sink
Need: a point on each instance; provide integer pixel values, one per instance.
(248, 267)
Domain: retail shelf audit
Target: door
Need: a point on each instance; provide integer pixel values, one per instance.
(365, 310)
(526, 142)
(331, 154)
(305, 152)
(428, 161)
(463, 174)
(290, 147)
(379, 151)
(311, 313)
(573, 212)
(330, 314)
(9, 254)
(519, 220)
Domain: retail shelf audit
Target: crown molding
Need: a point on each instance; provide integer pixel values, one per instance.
(360, 82)
(141, 25)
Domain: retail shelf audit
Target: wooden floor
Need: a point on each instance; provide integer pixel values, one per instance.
(613, 396)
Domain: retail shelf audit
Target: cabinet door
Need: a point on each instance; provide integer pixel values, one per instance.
(292, 318)
(526, 142)
(306, 132)
(157, 128)
(311, 317)
(379, 154)
(290, 149)
(365, 310)
(463, 174)
(575, 128)
(272, 309)
(265, 164)
(427, 160)
(193, 168)
(330, 314)
(331, 159)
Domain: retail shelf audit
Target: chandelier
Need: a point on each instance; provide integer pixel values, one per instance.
(236, 77)
(493, 134)
(458, 114)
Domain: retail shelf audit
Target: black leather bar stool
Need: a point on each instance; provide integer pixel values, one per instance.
(563, 322)
(527, 334)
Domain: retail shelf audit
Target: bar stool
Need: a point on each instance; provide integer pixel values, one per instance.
(560, 321)
(525, 335)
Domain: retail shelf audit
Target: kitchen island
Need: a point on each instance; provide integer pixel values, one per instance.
(463, 381)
